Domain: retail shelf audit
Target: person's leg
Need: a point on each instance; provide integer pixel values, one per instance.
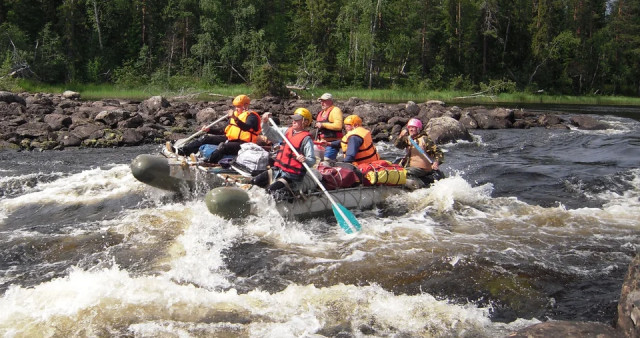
(262, 180)
(193, 146)
(225, 148)
(330, 153)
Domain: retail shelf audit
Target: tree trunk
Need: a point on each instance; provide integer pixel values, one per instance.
(95, 16)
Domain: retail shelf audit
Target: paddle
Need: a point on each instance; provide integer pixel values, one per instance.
(415, 145)
(181, 142)
(345, 218)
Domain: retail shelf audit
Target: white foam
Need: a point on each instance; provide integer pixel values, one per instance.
(89, 302)
(89, 186)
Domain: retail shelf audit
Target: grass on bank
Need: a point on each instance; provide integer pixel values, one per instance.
(103, 91)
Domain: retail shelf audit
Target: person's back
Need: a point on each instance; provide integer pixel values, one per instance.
(357, 145)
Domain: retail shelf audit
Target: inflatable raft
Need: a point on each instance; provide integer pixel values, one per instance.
(232, 202)
(172, 172)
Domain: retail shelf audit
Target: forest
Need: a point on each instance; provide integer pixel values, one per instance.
(567, 47)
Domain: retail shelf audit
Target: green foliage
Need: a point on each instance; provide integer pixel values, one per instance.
(498, 86)
(50, 63)
(560, 46)
(268, 81)
(7, 82)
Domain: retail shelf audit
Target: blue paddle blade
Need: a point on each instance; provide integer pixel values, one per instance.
(349, 221)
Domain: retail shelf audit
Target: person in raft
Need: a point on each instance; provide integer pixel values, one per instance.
(288, 171)
(421, 171)
(329, 124)
(357, 145)
(244, 126)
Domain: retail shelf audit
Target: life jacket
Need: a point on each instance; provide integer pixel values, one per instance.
(328, 134)
(367, 151)
(285, 158)
(415, 158)
(234, 132)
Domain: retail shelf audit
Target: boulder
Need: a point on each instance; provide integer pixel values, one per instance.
(629, 303)
(371, 114)
(57, 121)
(111, 118)
(33, 129)
(588, 123)
(566, 329)
(132, 137)
(153, 104)
(71, 95)
(446, 129)
(85, 131)
(411, 108)
(9, 97)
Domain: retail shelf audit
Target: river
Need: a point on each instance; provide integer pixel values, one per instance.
(529, 225)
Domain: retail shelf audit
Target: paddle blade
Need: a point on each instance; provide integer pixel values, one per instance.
(346, 219)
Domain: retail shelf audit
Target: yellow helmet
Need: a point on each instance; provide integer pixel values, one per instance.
(304, 112)
(241, 100)
(353, 120)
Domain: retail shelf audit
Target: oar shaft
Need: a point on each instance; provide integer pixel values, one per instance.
(306, 166)
(415, 145)
(200, 132)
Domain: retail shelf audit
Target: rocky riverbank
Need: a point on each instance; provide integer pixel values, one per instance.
(57, 121)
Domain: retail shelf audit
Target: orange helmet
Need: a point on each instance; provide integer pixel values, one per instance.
(241, 100)
(353, 120)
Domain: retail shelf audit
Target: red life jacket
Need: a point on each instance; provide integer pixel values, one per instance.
(286, 159)
(328, 134)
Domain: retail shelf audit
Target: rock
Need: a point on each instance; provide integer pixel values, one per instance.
(499, 118)
(206, 116)
(71, 95)
(57, 121)
(371, 114)
(468, 121)
(9, 97)
(567, 329)
(412, 108)
(153, 104)
(132, 137)
(69, 140)
(548, 120)
(134, 122)
(588, 123)
(446, 129)
(85, 131)
(33, 129)
(112, 117)
(629, 303)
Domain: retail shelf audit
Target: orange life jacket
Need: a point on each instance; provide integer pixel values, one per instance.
(286, 159)
(234, 132)
(367, 151)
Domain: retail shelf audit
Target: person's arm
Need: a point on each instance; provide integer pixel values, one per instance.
(334, 144)
(353, 144)
(251, 124)
(401, 142)
(307, 151)
(271, 134)
(334, 122)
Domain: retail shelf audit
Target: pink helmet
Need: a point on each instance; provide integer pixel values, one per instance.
(415, 123)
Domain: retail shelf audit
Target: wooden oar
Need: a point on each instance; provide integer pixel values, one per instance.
(346, 219)
(181, 142)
